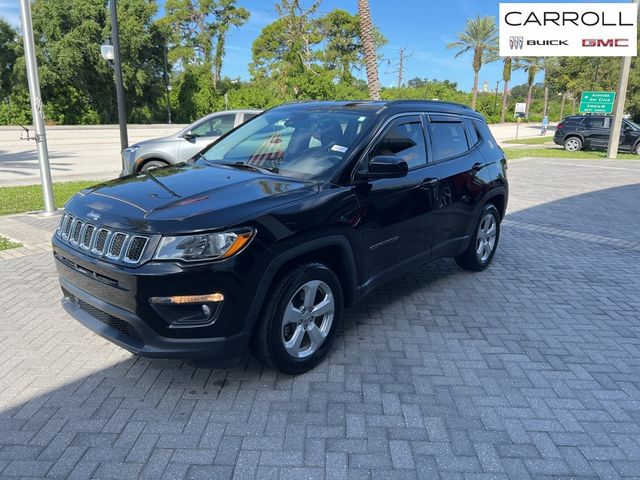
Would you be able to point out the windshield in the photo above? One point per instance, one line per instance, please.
(308, 144)
(634, 124)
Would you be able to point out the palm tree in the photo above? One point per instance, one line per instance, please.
(510, 64)
(531, 65)
(369, 47)
(480, 36)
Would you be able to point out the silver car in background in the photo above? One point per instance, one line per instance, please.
(159, 152)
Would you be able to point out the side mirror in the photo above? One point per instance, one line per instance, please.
(189, 135)
(386, 166)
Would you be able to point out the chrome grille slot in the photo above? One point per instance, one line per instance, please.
(75, 231)
(101, 241)
(60, 228)
(67, 226)
(87, 236)
(117, 242)
(135, 250)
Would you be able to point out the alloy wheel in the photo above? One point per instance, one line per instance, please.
(486, 237)
(572, 145)
(307, 319)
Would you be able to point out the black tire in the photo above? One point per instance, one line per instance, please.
(150, 165)
(471, 259)
(637, 149)
(269, 336)
(573, 144)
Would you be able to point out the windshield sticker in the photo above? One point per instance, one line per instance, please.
(362, 119)
(339, 148)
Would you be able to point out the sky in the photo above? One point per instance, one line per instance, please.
(422, 27)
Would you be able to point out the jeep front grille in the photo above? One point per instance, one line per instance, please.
(101, 241)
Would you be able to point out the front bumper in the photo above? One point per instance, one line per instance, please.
(130, 332)
(113, 301)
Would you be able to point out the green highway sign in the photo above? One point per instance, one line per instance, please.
(597, 102)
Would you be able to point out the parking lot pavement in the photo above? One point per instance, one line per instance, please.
(92, 152)
(529, 369)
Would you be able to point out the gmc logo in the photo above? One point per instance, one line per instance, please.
(601, 42)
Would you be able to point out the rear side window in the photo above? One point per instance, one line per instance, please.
(472, 132)
(485, 134)
(448, 139)
(248, 116)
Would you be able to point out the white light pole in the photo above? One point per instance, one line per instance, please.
(618, 109)
(36, 106)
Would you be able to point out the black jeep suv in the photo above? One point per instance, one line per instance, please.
(265, 236)
(593, 132)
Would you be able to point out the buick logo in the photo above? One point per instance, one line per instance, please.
(515, 43)
(95, 216)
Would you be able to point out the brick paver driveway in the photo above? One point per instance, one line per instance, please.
(528, 369)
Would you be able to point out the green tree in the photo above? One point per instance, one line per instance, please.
(228, 14)
(343, 43)
(77, 84)
(285, 52)
(8, 55)
(480, 36)
(199, 30)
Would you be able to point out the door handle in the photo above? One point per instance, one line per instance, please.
(477, 166)
(428, 183)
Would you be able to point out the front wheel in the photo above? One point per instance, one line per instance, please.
(637, 149)
(484, 242)
(300, 321)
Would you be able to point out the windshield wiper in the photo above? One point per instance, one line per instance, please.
(246, 166)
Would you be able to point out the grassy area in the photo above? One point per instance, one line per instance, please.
(559, 152)
(6, 244)
(531, 141)
(29, 198)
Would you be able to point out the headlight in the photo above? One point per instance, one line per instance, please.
(205, 246)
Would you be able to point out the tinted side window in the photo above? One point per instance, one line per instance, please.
(448, 139)
(405, 140)
(248, 116)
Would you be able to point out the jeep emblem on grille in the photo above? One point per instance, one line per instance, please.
(93, 216)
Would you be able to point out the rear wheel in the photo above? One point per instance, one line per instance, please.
(573, 144)
(150, 165)
(484, 242)
(300, 321)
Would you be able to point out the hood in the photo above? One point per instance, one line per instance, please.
(154, 141)
(186, 198)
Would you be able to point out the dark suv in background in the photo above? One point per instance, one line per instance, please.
(593, 132)
(264, 237)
